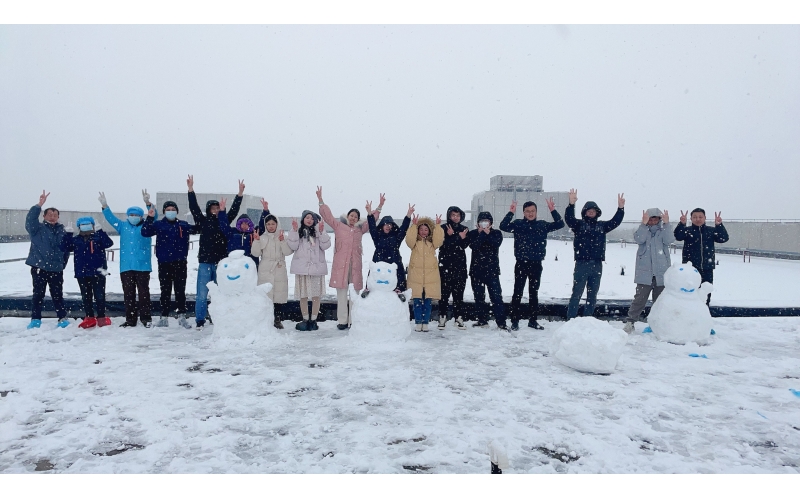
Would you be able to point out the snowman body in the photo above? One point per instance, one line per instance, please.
(680, 314)
(240, 308)
(588, 345)
(381, 315)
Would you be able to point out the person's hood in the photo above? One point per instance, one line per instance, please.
(343, 220)
(454, 209)
(485, 216)
(426, 221)
(587, 206)
(654, 212)
(387, 219)
(241, 220)
(315, 215)
(209, 204)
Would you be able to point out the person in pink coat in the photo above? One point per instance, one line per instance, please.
(347, 256)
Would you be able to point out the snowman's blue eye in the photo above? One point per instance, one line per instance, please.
(247, 266)
(389, 271)
(696, 271)
(226, 265)
(681, 269)
(379, 269)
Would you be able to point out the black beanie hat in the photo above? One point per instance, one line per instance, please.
(169, 204)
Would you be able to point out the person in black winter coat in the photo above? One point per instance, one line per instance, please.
(530, 245)
(453, 266)
(172, 249)
(213, 245)
(590, 250)
(388, 238)
(89, 257)
(698, 242)
(484, 271)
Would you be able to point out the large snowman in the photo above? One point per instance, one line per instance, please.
(588, 345)
(381, 315)
(680, 314)
(239, 307)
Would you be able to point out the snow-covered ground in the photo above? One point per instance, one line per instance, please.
(759, 283)
(170, 400)
(178, 401)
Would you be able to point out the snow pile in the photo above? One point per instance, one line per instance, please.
(680, 314)
(380, 316)
(588, 345)
(241, 310)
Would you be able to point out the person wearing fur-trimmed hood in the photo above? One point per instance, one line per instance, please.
(484, 271)
(271, 246)
(347, 256)
(308, 240)
(453, 266)
(423, 238)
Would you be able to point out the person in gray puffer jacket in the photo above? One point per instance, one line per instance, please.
(652, 260)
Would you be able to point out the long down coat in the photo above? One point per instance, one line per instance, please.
(423, 266)
(347, 252)
(272, 268)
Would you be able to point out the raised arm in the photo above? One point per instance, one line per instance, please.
(32, 224)
(506, 224)
(438, 236)
(148, 228)
(615, 221)
(105, 240)
(720, 234)
(404, 227)
(569, 217)
(411, 235)
(327, 216)
(223, 223)
(237, 201)
(199, 216)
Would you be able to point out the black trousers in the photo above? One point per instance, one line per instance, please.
(495, 295)
(453, 283)
(172, 275)
(530, 271)
(93, 287)
(41, 280)
(278, 312)
(131, 282)
(707, 275)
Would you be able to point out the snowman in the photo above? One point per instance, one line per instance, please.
(381, 315)
(680, 314)
(588, 345)
(240, 308)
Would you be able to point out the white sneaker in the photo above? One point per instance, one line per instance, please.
(442, 322)
(628, 328)
(184, 322)
(460, 323)
(418, 327)
(163, 322)
(424, 327)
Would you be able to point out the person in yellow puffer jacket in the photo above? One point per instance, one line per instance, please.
(424, 237)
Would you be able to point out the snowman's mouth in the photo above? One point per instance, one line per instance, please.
(687, 291)
(234, 278)
(382, 282)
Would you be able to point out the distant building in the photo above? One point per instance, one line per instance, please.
(503, 189)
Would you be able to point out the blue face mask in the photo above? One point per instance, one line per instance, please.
(134, 219)
(169, 214)
(85, 228)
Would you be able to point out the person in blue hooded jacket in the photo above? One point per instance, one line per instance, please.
(89, 258)
(47, 261)
(135, 262)
(172, 249)
(388, 238)
(241, 237)
(590, 250)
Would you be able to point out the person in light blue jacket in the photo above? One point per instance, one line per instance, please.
(134, 261)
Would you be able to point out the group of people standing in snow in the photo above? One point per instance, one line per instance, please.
(431, 277)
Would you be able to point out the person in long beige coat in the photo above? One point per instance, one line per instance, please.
(424, 237)
(273, 250)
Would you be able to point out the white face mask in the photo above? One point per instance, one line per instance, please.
(484, 224)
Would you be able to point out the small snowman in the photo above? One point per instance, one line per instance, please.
(380, 315)
(239, 307)
(680, 314)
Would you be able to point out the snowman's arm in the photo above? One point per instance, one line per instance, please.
(213, 288)
(706, 287)
(265, 288)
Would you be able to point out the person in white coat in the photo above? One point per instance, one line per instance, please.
(653, 236)
(273, 248)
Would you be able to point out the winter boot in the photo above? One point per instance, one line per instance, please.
(302, 325)
(535, 325)
(515, 325)
(628, 328)
(104, 321)
(442, 322)
(88, 322)
(424, 327)
(342, 327)
(163, 322)
(460, 323)
(312, 325)
(480, 324)
(200, 324)
(35, 323)
(63, 323)
(128, 324)
(278, 324)
(418, 327)
(147, 323)
(504, 327)
(184, 322)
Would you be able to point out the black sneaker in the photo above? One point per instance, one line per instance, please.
(504, 327)
(535, 325)
(480, 324)
(278, 324)
(128, 324)
(302, 326)
(515, 325)
(342, 327)
(312, 325)
(364, 294)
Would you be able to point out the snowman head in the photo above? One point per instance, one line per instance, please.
(682, 279)
(382, 276)
(236, 273)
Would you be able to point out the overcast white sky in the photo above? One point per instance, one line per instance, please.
(674, 116)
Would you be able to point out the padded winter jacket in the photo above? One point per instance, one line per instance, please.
(590, 233)
(652, 257)
(387, 246)
(45, 252)
(485, 260)
(272, 268)
(89, 252)
(530, 236)
(423, 266)
(237, 240)
(172, 238)
(134, 249)
(348, 252)
(452, 255)
(213, 243)
(309, 257)
(698, 244)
